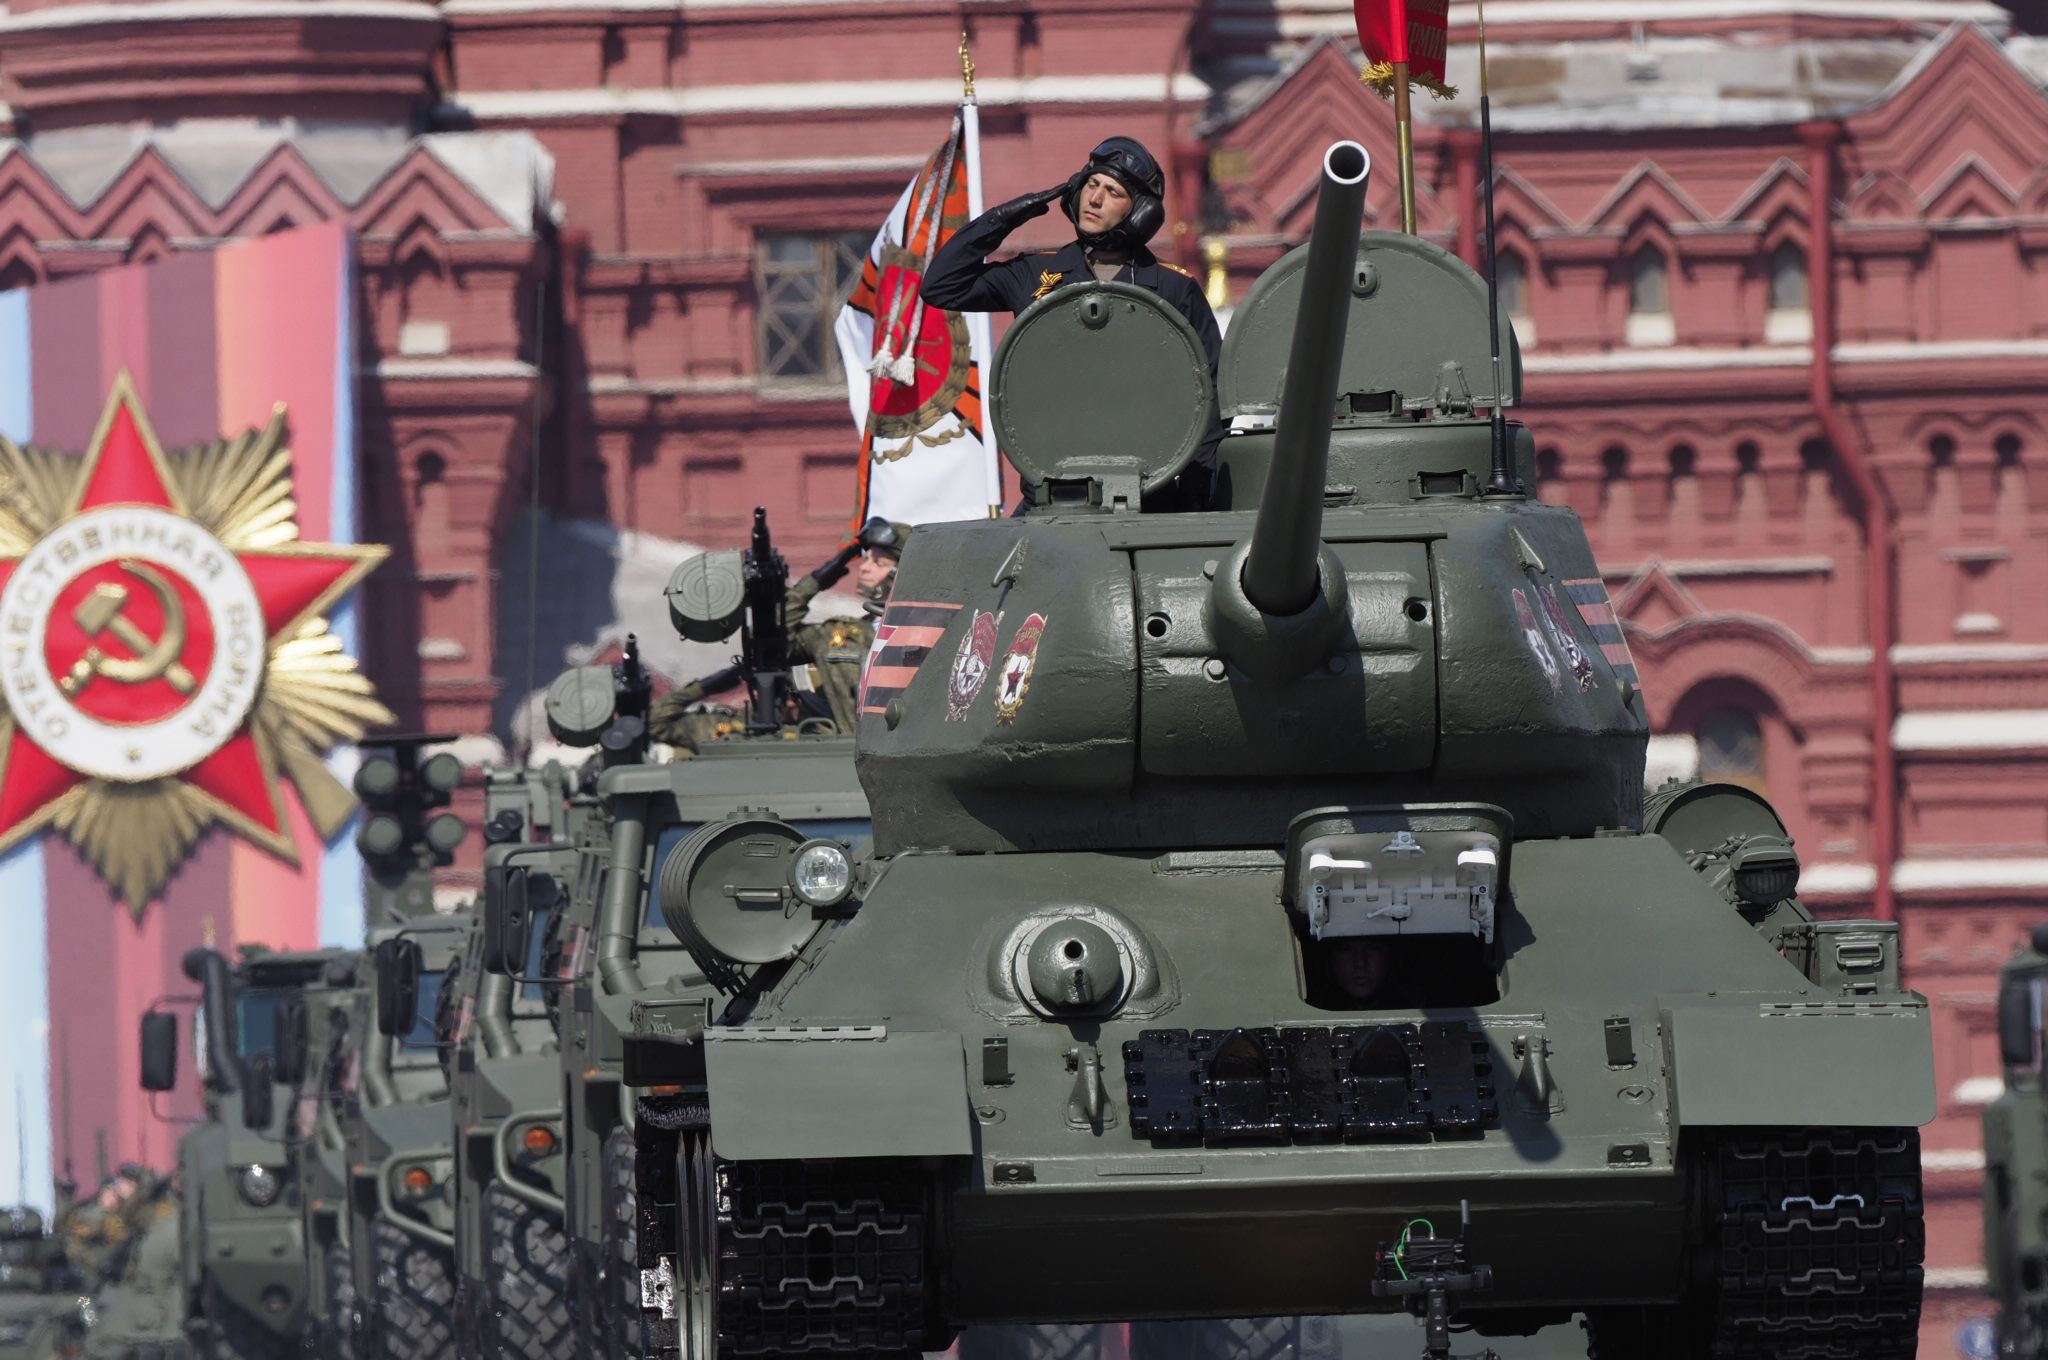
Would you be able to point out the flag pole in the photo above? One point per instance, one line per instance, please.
(977, 322)
(1500, 479)
(1404, 130)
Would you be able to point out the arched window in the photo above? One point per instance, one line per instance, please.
(1649, 299)
(1514, 284)
(1789, 320)
(1788, 278)
(1649, 283)
(1513, 274)
(1732, 748)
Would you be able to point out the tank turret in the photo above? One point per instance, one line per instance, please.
(1264, 894)
(1353, 606)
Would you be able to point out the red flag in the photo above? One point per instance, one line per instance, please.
(1414, 31)
(913, 371)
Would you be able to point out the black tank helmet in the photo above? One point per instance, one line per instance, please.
(1132, 165)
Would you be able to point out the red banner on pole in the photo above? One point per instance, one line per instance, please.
(1413, 31)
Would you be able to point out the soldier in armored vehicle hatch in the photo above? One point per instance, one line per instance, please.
(834, 648)
(1116, 202)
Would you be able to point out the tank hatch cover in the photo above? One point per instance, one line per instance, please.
(1101, 381)
(1414, 305)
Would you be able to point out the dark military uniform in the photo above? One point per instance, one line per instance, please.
(960, 280)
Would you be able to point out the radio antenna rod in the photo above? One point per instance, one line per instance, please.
(1500, 479)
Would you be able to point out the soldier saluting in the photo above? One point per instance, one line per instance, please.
(1116, 203)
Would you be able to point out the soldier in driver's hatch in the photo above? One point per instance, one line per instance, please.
(1116, 202)
(835, 648)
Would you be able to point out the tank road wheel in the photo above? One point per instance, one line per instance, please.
(522, 1311)
(1813, 1251)
(232, 1334)
(821, 1258)
(618, 1308)
(696, 1292)
(1267, 1338)
(1034, 1341)
(413, 1316)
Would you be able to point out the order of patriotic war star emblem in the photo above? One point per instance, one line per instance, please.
(165, 660)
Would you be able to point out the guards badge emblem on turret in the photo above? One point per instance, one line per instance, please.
(164, 651)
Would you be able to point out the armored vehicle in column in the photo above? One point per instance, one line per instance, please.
(1262, 918)
(38, 1288)
(397, 1131)
(241, 1248)
(505, 1094)
(594, 922)
(2016, 1159)
(317, 1035)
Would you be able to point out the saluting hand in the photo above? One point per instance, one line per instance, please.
(1027, 206)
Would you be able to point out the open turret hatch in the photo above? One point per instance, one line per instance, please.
(1414, 307)
(1102, 393)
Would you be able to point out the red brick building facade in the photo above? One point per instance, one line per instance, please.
(1780, 269)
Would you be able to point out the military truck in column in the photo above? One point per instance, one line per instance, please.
(241, 1247)
(392, 1106)
(1262, 918)
(323, 1060)
(593, 922)
(2016, 1159)
(505, 1096)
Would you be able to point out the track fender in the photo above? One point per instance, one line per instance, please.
(1749, 1059)
(837, 1091)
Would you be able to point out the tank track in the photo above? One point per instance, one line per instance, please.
(824, 1258)
(1822, 1241)
(1813, 1247)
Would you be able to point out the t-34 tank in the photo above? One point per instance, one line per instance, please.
(1262, 917)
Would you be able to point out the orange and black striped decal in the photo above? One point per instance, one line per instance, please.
(1589, 597)
(908, 631)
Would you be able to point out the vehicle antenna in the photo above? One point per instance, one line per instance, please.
(1500, 480)
(64, 1110)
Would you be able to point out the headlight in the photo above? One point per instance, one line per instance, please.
(821, 873)
(259, 1185)
(417, 1182)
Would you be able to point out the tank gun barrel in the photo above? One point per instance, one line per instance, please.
(1280, 569)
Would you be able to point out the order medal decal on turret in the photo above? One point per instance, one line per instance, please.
(1533, 633)
(972, 663)
(1561, 634)
(1015, 682)
(168, 660)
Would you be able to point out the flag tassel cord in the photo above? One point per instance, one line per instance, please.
(977, 322)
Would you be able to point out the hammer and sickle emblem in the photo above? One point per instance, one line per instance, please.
(101, 613)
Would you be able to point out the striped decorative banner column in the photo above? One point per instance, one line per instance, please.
(213, 342)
